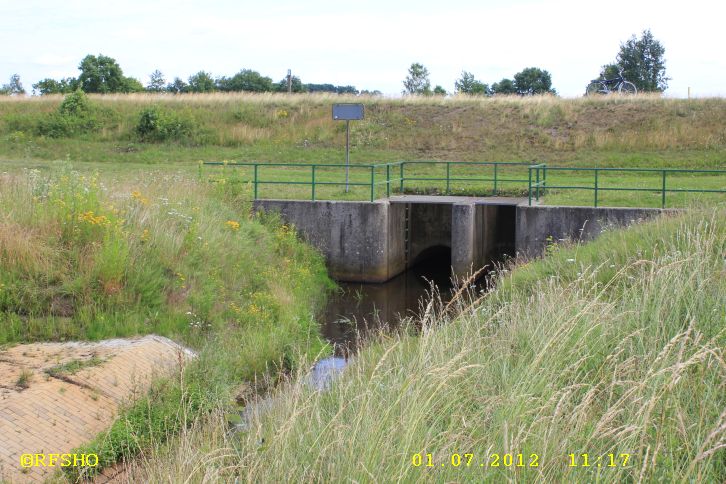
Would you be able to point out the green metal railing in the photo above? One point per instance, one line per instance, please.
(314, 181)
(538, 181)
(392, 177)
(495, 178)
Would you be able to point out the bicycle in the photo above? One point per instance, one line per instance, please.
(608, 86)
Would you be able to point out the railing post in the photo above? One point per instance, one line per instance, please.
(373, 186)
(529, 187)
(388, 180)
(596, 187)
(255, 176)
(544, 178)
(313, 184)
(402, 176)
(448, 177)
(537, 185)
(663, 191)
(494, 193)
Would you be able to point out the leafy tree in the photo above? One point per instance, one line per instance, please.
(643, 63)
(177, 86)
(296, 85)
(439, 91)
(156, 81)
(51, 86)
(102, 74)
(467, 84)
(533, 80)
(374, 93)
(14, 87)
(245, 80)
(132, 85)
(505, 86)
(417, 81)
(202, 82)
(609, 71)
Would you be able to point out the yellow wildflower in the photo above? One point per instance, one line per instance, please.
(91, 218)
(232, 224)
(136, 195)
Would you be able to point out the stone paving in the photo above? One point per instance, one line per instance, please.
(44, 414)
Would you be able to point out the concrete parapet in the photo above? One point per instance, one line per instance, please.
(538, 223)
(376, 241)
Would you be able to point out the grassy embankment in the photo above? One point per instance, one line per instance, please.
(613, 347)
(607, 132)
(86, 257)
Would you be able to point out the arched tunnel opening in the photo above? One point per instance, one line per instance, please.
(433, 264)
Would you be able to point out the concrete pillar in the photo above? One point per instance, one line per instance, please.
(463, 240)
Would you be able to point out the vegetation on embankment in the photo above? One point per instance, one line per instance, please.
(88, 256)
(613, 347)
(611, 131)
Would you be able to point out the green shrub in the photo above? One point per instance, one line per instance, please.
(158, 125)
(75, 115)
(75, 104)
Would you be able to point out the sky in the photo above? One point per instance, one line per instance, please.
(368, 44)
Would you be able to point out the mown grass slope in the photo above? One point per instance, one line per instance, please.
(645, 130)
(614, 347)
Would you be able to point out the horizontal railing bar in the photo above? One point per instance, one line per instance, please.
(513, 180)
(633, 189)
(649, 170)
(295, 165)
(260, 182)
(485, 163)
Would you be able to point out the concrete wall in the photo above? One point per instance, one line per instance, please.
(535, 224)
(353, 236)
(366, 241)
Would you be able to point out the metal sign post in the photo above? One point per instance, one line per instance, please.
(347, 112)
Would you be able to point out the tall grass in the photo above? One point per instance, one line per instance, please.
(92, 256)
(615, 347)
(277, 127)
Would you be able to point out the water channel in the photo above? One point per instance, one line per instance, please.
(357, 309)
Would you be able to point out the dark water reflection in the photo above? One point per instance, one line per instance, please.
(359, 308)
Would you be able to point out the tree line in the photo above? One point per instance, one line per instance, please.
(531, 80)
(102, 74)
(641, 61)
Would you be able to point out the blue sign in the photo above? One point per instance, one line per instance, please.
(347, 112)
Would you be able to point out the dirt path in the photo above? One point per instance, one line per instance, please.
(56, 396)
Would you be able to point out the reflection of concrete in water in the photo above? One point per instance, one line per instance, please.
(359, 308)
